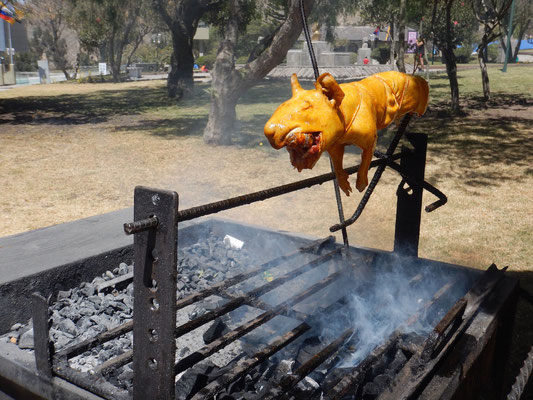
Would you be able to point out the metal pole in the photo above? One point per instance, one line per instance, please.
(10, 45)
(510, 31)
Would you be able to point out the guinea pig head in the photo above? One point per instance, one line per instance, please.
(309, 122)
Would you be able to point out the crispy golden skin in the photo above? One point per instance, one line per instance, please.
(332, 116)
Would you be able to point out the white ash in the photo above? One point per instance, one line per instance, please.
(83, 312)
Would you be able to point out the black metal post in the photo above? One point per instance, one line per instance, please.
(41, 336)
(154, 281)
(409, 205)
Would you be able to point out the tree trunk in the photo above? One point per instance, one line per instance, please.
(180, 81)
(401, 37)
(451, 70)
(229, 84)
(482, 49)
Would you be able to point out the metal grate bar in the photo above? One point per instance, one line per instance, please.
(238, 301)
(219, 287)
(114, 363)
(82, 347)
(223, 341)
(354, 378)
(212, 208)
(290, 381)
(413, 375)
(79, 348)
(211, 389)
(93, 383)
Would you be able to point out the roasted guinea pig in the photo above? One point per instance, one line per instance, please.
(334, 115)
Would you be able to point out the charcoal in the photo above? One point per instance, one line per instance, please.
(16, 327)
(399, 361)
(26, 340)
(88, 290)
(284, 368)
(109, 275)
(64, 294)
(122, 269)
(310, 346)
(193, 380)
(67, 325)
(217, 329)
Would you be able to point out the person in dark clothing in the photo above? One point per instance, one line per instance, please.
(419, 54)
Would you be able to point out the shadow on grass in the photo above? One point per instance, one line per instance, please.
(169, 127)
(477, 139)
(89, 108)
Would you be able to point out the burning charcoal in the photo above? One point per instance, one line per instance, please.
(26, 339)
(217, 329)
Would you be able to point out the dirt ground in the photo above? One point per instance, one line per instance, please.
(83, 153)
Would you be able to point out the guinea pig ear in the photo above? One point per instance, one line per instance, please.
(295, 85)
(329, 86)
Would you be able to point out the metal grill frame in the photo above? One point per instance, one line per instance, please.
(155, 248)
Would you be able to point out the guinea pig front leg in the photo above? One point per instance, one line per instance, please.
(336, 153)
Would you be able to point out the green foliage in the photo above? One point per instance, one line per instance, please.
(208, 60)
(493, 52)
(25, 61)
(463, 54)
(353, 58)
(381, 53)
(462, 27)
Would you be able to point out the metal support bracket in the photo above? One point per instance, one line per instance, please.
(44, 348)
(409, 205)
(154, 282)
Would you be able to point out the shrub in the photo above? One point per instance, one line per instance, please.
(464, 54)
(24, 61)
(382, 54)
(492, 52)
(353, 58)
(208, 60)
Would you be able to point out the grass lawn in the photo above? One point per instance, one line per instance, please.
(71, 151)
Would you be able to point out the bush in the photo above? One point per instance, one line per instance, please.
(463, 54)
(492, 52)
(353, 58)
(208, 60)
(382, 54)
(25, 62)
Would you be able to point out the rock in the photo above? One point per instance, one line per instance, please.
(66, 325)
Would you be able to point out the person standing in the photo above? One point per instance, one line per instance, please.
(419, 54)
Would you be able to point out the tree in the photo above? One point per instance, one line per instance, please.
(401, 36)
(521, 23)
(50, 20)
(230, 83)
(490, 15)
(452, 23)
(107, 25)
(182, 18)
(382, 13)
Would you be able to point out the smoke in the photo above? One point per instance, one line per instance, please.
(385, 301)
